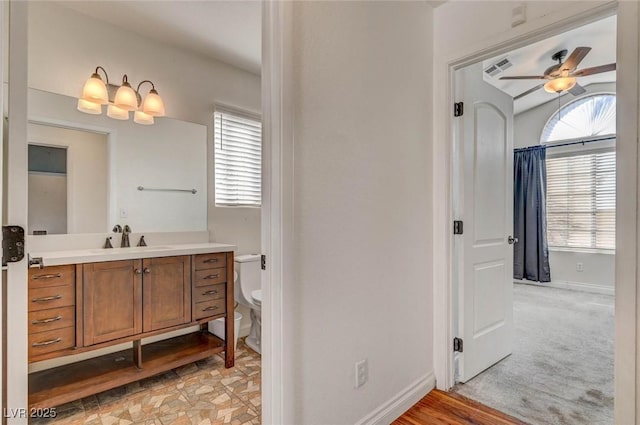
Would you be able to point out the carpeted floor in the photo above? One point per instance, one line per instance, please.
(561, 369)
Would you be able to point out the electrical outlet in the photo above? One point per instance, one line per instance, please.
(123, 213)
(580, 267)
(362, 373)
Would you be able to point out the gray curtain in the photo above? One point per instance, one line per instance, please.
(531, 252)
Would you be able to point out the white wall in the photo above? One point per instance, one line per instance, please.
(86, 194)
(65, 47)
(599, 268)
(362, 79)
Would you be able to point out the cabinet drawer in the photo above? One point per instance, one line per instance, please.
(210, 261)
(210, 277)
(207, 293)
(51, 297)
(50, 319)
(49, 341)
(209, 308)
(52, 276)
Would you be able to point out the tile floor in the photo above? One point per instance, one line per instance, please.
(199, 393)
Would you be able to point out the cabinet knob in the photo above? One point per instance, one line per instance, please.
(147, 270)
(138, 271)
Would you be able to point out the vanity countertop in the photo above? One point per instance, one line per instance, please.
(79, 256)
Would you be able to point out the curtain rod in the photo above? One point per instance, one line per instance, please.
(582, 142)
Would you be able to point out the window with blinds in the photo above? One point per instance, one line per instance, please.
(581, 200)
(238, 159)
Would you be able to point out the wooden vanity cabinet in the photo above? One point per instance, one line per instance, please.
(83, 307)
(166, 292)
(51, 317)
(112, 300)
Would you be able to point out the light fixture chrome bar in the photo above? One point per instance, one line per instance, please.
(159, 189)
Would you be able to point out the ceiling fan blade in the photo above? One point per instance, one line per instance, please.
(575, 58)
(525, 77)
(523, 94)
(595, 70)
(577, 90)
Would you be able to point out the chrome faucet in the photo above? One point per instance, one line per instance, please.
(125, 236)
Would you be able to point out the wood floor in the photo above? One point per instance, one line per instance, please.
(441, 408)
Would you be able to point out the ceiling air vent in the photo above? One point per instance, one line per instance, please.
(498, 67)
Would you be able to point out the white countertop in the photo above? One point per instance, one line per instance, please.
(79, 256)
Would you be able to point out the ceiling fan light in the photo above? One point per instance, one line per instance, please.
(95, 90)
(153, 104)
(561, 84)
(89, 107)
(117, 113)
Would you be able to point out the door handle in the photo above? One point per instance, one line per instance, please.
(511, 240)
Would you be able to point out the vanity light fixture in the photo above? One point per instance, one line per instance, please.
(120, 100)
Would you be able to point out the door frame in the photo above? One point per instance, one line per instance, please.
(627, 175)
(278, 315)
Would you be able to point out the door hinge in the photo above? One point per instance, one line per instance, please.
(458, 227)
(263, 262)
(12, 244)
(457, 345)
(458, 109)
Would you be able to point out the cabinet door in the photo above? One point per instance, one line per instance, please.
(166, 292)
(112, 300)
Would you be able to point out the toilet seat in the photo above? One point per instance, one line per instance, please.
(256, 296)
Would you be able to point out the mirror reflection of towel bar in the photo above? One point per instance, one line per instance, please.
(158, 189)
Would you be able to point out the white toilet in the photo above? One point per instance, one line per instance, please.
(248, 292)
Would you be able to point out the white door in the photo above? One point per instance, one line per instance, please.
(485, 204)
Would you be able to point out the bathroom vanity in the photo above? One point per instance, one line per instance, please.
(86, 300)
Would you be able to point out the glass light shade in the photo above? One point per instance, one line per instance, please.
(117, 113)
(89, 107)
(153, 104)
(558, 85)
(95, 90)
(142, 118)
(126, 98)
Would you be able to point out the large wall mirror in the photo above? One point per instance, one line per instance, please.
(85, 172)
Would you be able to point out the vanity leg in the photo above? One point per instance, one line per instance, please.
(229, 334)
(137, 353)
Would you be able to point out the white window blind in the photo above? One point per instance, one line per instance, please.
(238, 159)
(581, 200)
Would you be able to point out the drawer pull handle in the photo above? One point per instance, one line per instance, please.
(47, 276)
(43, 343)
(212, 292)
(44, 299)
(213, 307)
(212, 276)
(211, 260)
(41, 321)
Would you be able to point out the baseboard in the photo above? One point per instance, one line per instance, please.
(401, 402)
(574, 286)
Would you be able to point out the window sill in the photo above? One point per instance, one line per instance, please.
(583, 250)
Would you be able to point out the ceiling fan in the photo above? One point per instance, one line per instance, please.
(562, 76)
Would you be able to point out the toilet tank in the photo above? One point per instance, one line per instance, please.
(247, 268)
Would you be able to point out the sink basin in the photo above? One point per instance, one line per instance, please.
(131, 249)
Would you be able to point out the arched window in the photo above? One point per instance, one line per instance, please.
(581, 178)
(586, 117)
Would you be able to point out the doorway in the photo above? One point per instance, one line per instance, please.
(522, 335)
